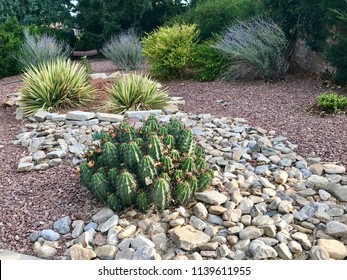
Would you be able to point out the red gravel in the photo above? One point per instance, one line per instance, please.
(33, 201)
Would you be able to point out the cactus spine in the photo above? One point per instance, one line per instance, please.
(187, 142)
(155, 147)
(100, 185)
(169, 141)
(160, 194)
(86, 176)
(188, 165)
(142, 202)
(109, 155)
(114, 203)
(183, 193)
(126, 188)
(133, 156)
(113, 174)
(146, 170)
(167, 162)
(204, 181)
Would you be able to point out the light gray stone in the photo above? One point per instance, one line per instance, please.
(40, 115)
(106, 252)
(25, 166)
(126, 254)
(302, 238)
(56, 154)
(333, 168)
(336, 249)
(111, 222)
(63, 225)
(265, 182)
(340, 192)
(77, 149)
(77, 228)
(58, 117)
(54, 162)
(142, 114)
(140, 241)
(39, 155)
(44, 251)
(109, 117)
(324, 195)
(211, 197)
(285, 207)
(250, 232)
(336, 229)
(214, 219)
(79, 115)
(49, 234)
(128, 231)
(295, 247)
(319, 253)
(317, 182)
(144, 253)
(283, 251)
(246, 205)
(197, 222)
(200, 211)
(188, 238)
(280, 176)
(261, 251)
(102, 216)
(77, 252)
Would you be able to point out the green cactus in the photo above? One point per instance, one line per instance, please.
(166, 177)
(86, 175)
(193, 183)
(125, 133)
(114, 203)
(113, 174)
(175, 155)
(201, 164)
(152, 123)
(162, 131)
(126, 188)
(155, 147)
(167, 164)
(169, 141)
(188, 165)
(133, 156)
(109, 157)
(204, 181)
(178, 175)
(161, 194)
(100, 185)
(183, 193)
(146, 170)
(142, 202)
(199, 152)
(175, 127)
(187, 143)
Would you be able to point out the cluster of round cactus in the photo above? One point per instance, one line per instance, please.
(156, 165)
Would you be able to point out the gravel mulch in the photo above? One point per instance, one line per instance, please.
(33, 201)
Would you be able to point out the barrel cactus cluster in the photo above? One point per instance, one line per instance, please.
(157, 165)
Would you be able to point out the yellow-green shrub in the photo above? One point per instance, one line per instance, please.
(169, 50)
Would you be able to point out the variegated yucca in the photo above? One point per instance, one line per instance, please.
(54, 85)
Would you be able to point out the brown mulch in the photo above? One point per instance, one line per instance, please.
(33, 201)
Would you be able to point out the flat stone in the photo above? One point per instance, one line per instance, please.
(111, 222)
(217, 209)
(283, 251)
(40, 115)
(106, 252)
(316, 168)
(39, 155)
(96, 76)
(333, 168)
(109, 117)
(197, 222)
(27, 159)
(265, 182)
(340, 192)
(103, 215)
(126, 254)
(336, 249)
(77, 149)
(77, 252)
(319, 253)
(63, 225)
(54, 162)
(49, 234)
(41, 166)
(211, 197)
(25, 167)
(141, 114)
(336, 229)
(200, 210)
(317, 182)
(188, 238)
(58, 117)
(80, 115)
(128, 231)
(77, 228)
(56, 154)
(250, 232)
(324, 195)
(302, 238)
(160, 240)
(144, 253)
(90, 122)
(140, 241)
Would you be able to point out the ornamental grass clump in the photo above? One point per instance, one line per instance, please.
(158, 165)
(55, 85)
(125, 50)
(331, 102)
(135, 92)
(255, 49)
(36, 50)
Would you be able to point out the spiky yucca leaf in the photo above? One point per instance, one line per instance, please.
(55, 85)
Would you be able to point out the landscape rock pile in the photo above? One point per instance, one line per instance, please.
(265, 202)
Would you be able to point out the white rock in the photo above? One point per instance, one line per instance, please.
(336, 249)
(333, 168)
(211, 197)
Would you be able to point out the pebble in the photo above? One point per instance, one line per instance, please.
(129, 230)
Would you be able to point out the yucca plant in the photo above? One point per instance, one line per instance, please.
(135, 92)
(125, 50)
(36, 50)
(55, 85)
(149, 170)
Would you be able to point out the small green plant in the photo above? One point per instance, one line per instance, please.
(124, 50)
(208, 62)
(55, 85)
(135, 92)
(332, 101)
(169, 50)
(255, 49)
(40, 49)
(85, 63)
(157, 165)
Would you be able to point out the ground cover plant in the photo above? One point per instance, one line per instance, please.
(331, 102)
(156, 165)
(55, 85)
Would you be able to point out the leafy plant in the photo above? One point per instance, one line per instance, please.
(55, 85)
(135, 92)
(208, 62)
(256, 49)
(85, 63)
(39, 49)
(11, 37)
(157, 165)
(332, 101)
(169, 50)
(124, 50)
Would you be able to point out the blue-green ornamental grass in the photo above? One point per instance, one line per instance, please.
(332, 101)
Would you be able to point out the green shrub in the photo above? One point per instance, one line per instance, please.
(85, 63)
(156, 165)
(39, 49)
(332, 101)
(213, 16)
(124, 50)
(11, 37)
(208, 62)
(55, 85)
(169, 50)
(256, 49)
(135, 92)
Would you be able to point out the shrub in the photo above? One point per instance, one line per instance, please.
(55, 85)
(169, 50)
(331, 101)
(39, 49)
(11, 37)
(135, 92)
(124, 50)
(158, 165)
(208, 62)
(256, 50)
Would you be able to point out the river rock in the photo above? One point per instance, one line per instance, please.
(188, 238)
(77, 252)
(106, 252)
(211, 197)
(336, 249)
(103, 215)
(63, 225)
(333, 168)
(336, 229)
